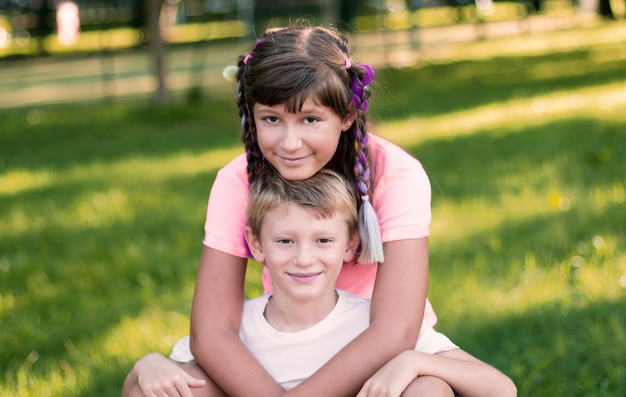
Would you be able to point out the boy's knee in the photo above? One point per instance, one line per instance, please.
(430, 386)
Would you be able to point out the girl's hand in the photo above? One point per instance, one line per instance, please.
(393, 378)
(160, 376)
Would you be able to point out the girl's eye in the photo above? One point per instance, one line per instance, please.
(271, 119)
(325, 240)
(284, 241)
(311, 120)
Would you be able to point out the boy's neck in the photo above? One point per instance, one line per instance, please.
(285, 315)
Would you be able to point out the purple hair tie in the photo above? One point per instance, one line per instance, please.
(369, 74)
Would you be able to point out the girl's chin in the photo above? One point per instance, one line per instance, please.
(295, 174)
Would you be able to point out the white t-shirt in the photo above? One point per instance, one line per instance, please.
(291, 357)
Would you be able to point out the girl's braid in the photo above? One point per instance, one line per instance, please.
(371, 242)
(253, 153)
(360, 95)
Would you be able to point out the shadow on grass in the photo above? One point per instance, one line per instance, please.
(60, 137)
(556, 350)
(571, 159)
(578, 154)
(437, 89)
(74, 283)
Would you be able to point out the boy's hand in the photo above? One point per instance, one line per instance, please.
(392, 379)
(160, 376)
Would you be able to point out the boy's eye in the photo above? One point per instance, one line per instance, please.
(311, 120)
(271, 119)
(284, 241)
(325, 240)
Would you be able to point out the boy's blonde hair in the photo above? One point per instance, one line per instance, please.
(324, 194)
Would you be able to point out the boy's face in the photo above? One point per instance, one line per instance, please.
(303, 254)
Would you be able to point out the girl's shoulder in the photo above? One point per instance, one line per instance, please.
(236, 166)
(232, 176)
(389, 157)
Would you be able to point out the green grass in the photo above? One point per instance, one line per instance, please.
(102, 210)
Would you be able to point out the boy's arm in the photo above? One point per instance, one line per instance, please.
(467, 375)
(395, 320)
(215, 320)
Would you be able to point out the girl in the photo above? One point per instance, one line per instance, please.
(303, 102)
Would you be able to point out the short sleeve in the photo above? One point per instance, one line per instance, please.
(402, 193)
(226, 210)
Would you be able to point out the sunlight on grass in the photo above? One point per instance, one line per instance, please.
(98, 207)
(599, 101)
(191, 32)
(531, 44)
(19, 181)
(123, 38)
(131, 338)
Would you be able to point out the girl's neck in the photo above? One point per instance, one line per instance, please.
(285, 315)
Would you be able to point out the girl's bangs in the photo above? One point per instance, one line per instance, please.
(293, 89)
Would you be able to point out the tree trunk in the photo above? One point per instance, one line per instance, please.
(157, 45)
(604, 9)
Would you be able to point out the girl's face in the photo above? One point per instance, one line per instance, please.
(302, 143)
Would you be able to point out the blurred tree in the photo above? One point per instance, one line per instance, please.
(605, 10)
(157, 46)
(44, 14)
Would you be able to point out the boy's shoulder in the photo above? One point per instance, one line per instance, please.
(353, 302)
(256, 304)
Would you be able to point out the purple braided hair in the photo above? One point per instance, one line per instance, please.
(371, 242)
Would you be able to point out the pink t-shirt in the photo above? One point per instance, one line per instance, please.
(401, 199)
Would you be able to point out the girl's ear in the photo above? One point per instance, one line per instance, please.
(351, 249)
(254, 245)
(349, 119)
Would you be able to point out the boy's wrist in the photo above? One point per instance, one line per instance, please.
(417, 362)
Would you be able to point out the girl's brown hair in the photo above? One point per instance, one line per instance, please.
(287, 66)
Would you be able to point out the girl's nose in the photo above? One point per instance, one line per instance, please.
(291, 139)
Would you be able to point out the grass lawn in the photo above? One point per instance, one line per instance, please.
(102, 209)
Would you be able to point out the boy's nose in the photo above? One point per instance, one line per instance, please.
(304, 257)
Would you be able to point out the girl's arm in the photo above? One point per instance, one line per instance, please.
(467, 375)
(215, 320)
(395, 320)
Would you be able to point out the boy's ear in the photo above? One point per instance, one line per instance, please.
(351, 249)
(254, 245)
(349, 119)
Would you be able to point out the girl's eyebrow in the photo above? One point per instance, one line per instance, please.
(265, 110)
(311, 109)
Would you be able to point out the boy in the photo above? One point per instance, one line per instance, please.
(304, 231)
